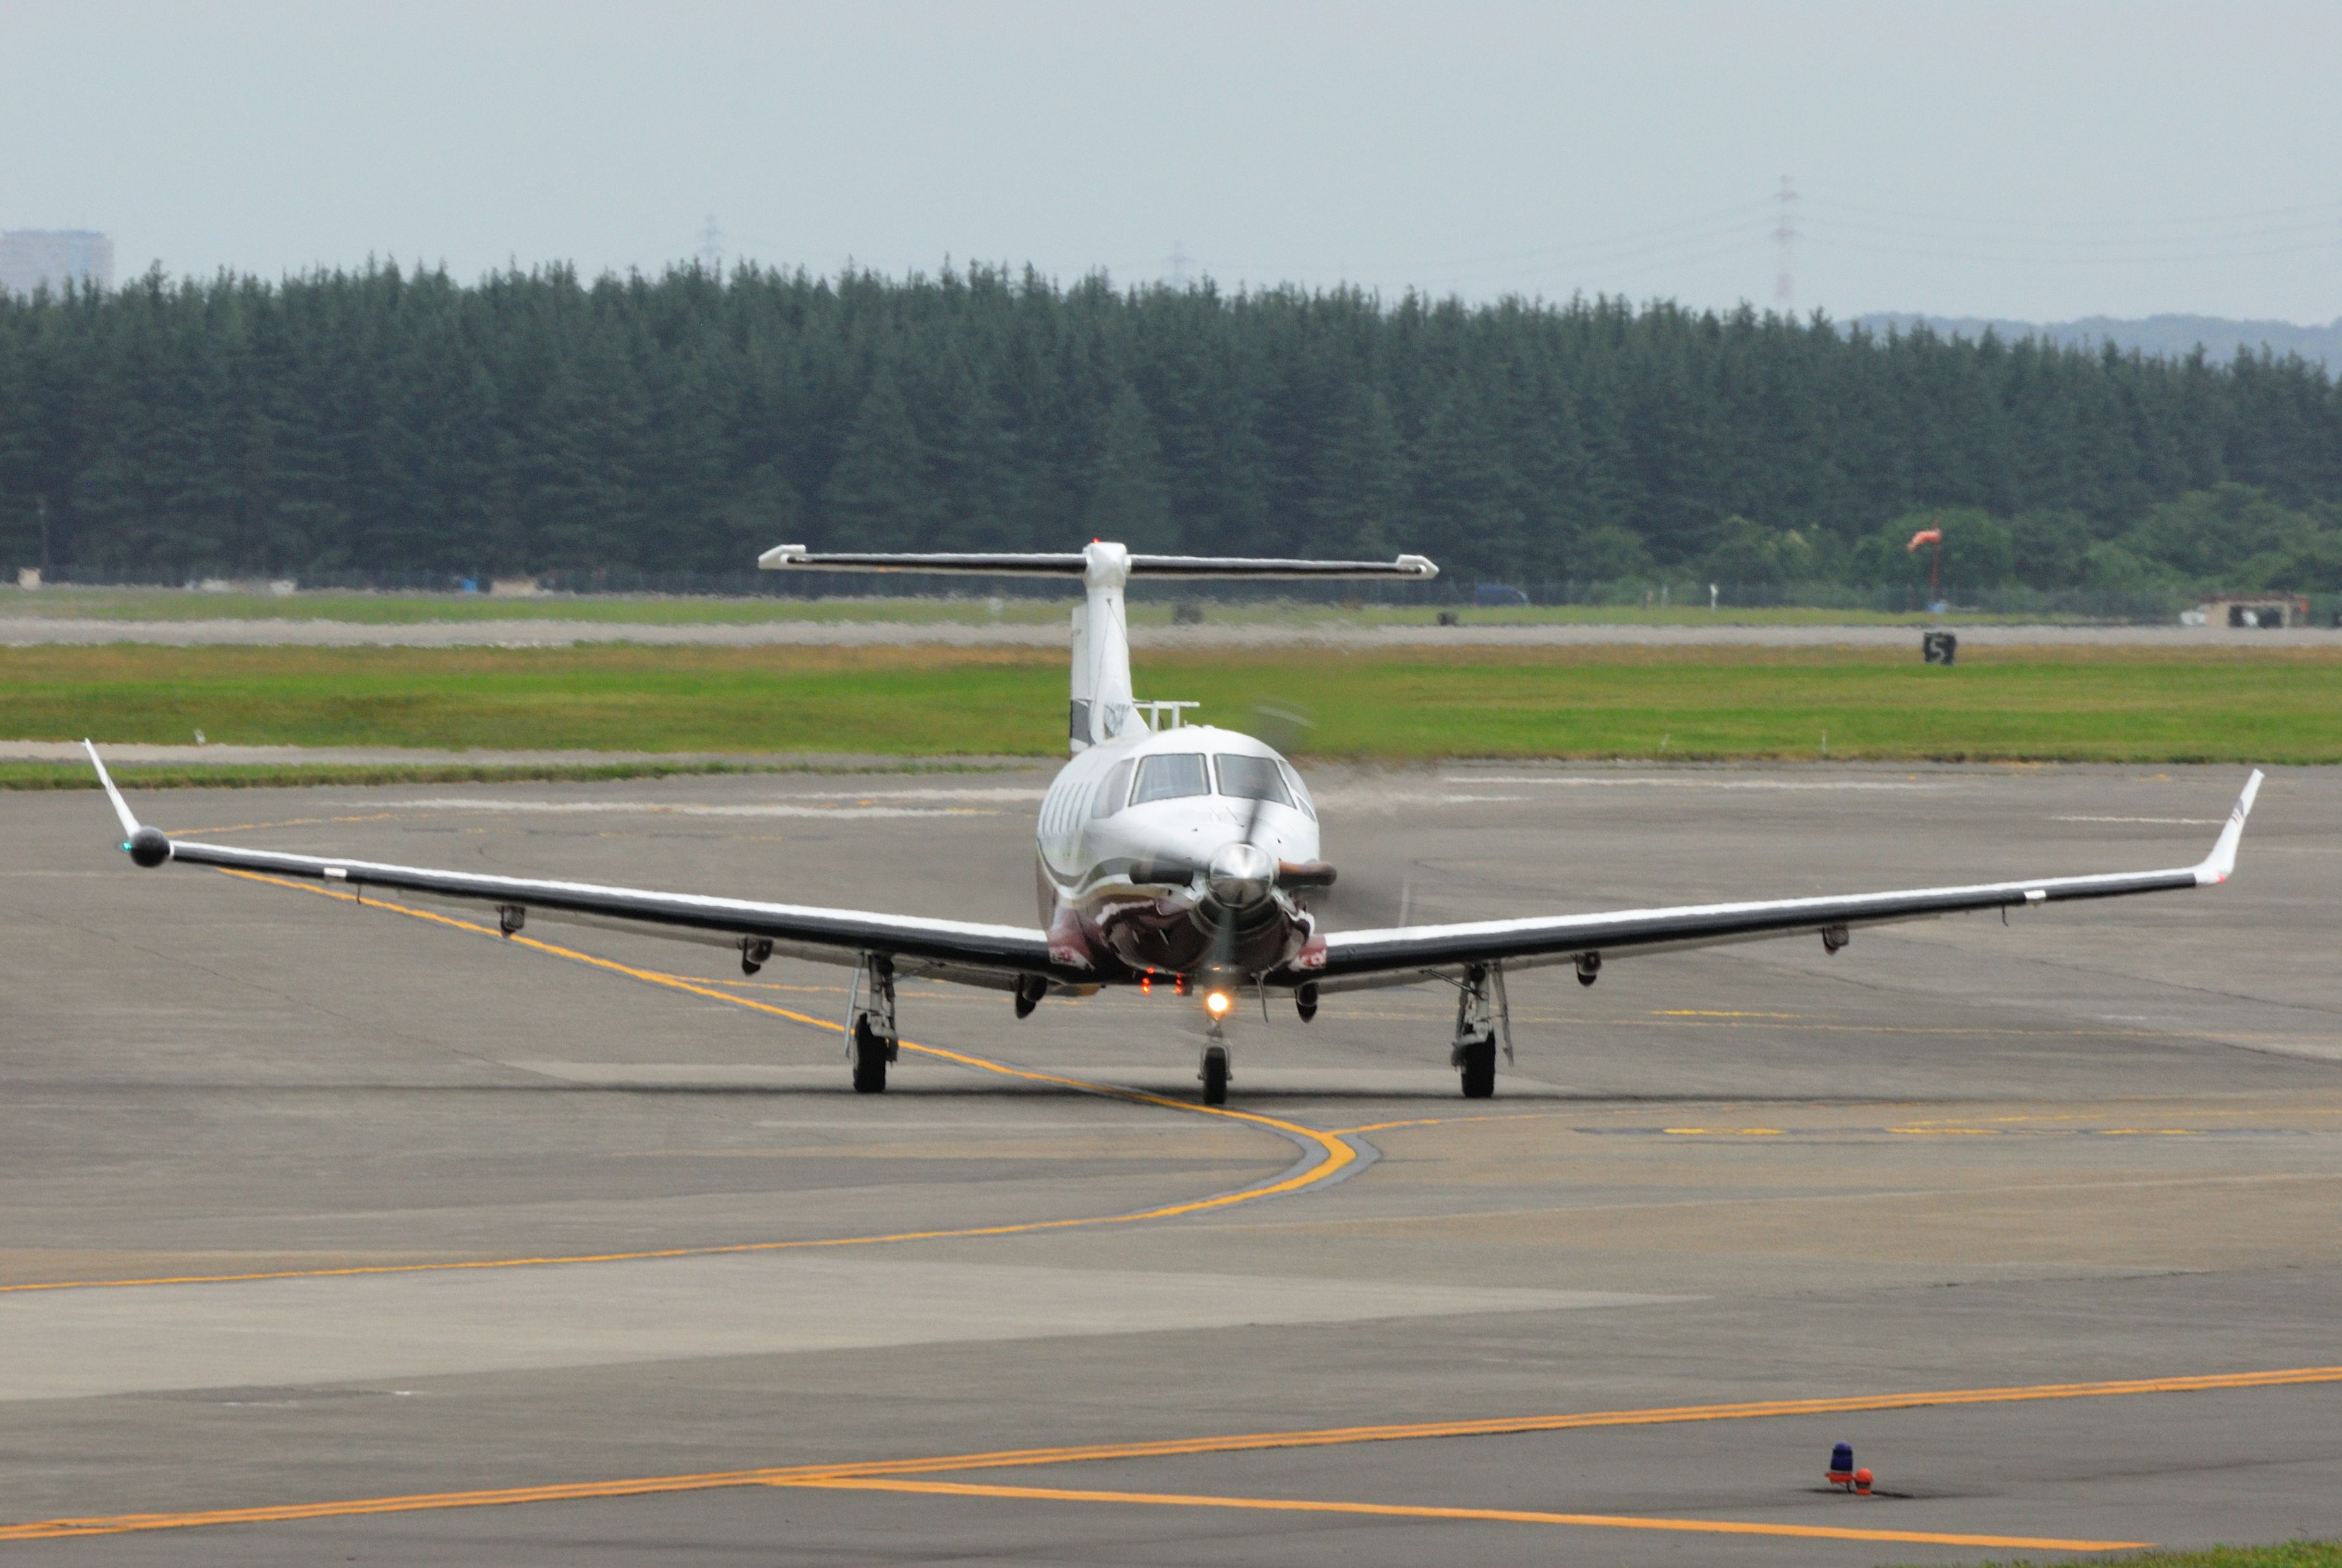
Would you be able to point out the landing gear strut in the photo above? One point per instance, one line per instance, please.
(870, 1042)
(1483, 1012)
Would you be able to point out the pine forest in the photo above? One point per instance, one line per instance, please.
(401, 423)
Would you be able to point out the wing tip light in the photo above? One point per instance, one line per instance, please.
(2221, 863)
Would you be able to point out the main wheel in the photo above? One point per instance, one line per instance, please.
(1215, 1076)
(1478, 1068)
(869, 1059)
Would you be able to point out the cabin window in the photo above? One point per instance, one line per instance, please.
(1170, 776)
(1111, 793)
(1251, 778)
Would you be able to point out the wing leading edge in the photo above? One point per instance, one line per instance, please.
(952, 949)
(1365, 958)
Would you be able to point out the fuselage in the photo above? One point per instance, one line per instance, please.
(1140, 865)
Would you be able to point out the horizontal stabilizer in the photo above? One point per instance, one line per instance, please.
(1004, 565)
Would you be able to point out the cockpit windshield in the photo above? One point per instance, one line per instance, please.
(1251, 778)
(1170, 776)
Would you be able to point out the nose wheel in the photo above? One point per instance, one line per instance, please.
(1215, 1074)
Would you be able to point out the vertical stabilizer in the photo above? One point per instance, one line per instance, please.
(1077, 727)
(1102, 649)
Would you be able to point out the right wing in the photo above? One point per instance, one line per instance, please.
(995, 956)
(1354, 960)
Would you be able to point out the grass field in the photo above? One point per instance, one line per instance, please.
(2012, 705)
(2284, 1554)
(653, 609)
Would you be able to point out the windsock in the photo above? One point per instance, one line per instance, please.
(1926, 536)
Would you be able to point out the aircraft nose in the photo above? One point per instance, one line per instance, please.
(1241, 874)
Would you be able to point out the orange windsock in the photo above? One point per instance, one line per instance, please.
(1926, 536)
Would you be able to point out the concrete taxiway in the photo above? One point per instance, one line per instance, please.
(358, 1233)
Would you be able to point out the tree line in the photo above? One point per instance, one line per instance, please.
(399, 421)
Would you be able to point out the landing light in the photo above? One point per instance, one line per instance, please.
(1217, 1004)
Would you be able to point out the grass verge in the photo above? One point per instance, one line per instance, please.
(2016, 705)
(657, 609)
(2284, 1554)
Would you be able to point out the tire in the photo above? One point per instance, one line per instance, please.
(1215, 1076)
(869, 1060)
(1478, 1069)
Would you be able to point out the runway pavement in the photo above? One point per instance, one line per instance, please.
(361, 1233)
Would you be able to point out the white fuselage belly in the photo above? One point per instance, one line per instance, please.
(1117, 871)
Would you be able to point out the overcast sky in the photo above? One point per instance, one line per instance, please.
(2032, 160)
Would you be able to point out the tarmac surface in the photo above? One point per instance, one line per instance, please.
(25, 631)
(343, 1234)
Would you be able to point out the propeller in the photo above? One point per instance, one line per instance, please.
(1240, 873)
(1239, 877)
(1367, 901)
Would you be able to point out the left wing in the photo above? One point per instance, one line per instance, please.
(1355, 959)
(992, 955)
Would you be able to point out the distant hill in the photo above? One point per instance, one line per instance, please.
(2175, 336)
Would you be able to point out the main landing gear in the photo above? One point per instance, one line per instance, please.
(1483, 1014)
(870, 1040)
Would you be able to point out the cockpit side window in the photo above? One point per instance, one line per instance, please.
(1300, 789)
(1111, 793)
(1170, 776)
(1251, 778)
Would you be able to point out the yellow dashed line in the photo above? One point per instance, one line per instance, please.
(1445, 1121)
(1718, 1013)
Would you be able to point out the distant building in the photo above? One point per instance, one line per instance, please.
(2250, 612)
(31, 257)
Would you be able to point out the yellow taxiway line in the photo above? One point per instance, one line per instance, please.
(1500, 1515)
(1338, 1154)
(872, 1473)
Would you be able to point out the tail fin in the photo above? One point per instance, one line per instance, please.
(1102, 705)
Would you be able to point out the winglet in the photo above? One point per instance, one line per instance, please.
(121, 806)
(147, 845)
(2217, 865)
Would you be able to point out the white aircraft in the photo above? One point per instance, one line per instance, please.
(1172, 854)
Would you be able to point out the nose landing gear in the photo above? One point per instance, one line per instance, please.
(1213, 1073)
